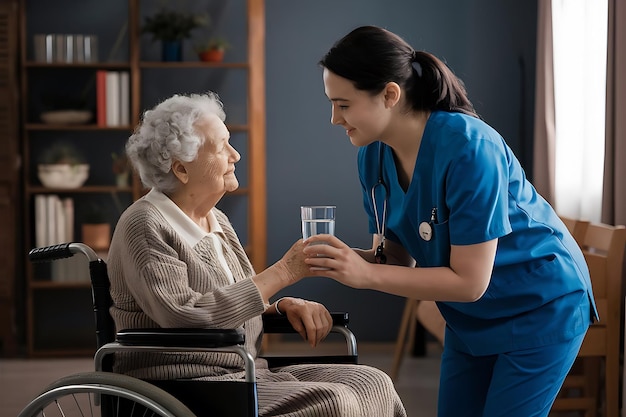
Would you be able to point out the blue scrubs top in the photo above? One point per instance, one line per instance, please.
(470, 188)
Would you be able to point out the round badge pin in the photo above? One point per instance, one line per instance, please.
(426, 232)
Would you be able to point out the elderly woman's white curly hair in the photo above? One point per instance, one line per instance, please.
(167, 133)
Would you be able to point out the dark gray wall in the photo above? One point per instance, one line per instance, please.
(309, 161)
(490, 44)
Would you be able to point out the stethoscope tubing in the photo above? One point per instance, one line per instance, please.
(381, 221)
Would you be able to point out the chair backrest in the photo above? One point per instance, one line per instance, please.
(603, 247)
(101, 297)
(100, 285)
(578, 228)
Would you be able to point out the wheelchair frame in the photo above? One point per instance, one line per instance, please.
(166, 398)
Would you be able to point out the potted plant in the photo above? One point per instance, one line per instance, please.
(172, 27)
(212, 50)
(62, 166)
(120, 168)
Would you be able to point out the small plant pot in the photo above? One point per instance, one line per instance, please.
(97, 236)
(213, 55)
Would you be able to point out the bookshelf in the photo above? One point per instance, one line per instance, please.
(59, 300)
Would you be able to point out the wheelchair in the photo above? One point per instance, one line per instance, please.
(103, 393)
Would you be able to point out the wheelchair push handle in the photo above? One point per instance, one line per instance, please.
(61, 251)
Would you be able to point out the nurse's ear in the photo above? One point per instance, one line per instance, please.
(392, 93)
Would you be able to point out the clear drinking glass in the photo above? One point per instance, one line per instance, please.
(317, 220)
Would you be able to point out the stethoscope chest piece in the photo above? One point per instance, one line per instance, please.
(425, 231)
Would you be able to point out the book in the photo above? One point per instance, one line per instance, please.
(68, 210)
(51, 224)
(112, 98)
(40, 221)
(59, 215)
(124, 98)
(101, 106)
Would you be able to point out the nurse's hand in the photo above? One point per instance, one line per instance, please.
(330, 257)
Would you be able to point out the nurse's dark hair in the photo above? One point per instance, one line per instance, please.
(371, 57)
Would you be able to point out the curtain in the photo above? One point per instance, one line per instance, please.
(544, 129)
(614, 190)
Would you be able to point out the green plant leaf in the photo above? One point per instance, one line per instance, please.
(171, 25)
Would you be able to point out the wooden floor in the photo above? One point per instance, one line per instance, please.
(23, 379)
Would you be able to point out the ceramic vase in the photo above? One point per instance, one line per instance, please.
(172, 51)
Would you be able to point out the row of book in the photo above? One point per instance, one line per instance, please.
(112, 98)
(54, 219)
(54, 224)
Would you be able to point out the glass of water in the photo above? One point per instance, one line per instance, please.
(317, 220)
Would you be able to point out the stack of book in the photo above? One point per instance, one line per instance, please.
(113, 98)
(54, 224)
(54, 219)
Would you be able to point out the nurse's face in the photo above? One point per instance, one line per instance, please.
(364, 116)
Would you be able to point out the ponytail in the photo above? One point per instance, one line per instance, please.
(435, 87)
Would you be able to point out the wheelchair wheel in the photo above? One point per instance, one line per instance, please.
(104, 394)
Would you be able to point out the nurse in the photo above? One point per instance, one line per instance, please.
(455, 220)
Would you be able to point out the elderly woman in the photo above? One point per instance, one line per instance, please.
(175, 261)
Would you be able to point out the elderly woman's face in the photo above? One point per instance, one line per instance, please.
(214, 169)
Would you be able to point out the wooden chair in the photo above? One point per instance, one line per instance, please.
(578, 228)
(427, 313)
(594, 382)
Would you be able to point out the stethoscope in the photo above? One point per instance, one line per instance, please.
(425, 228)
(381, 221)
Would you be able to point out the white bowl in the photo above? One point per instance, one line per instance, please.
(69, 117)
(63, 175)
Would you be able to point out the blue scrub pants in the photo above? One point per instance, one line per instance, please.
(514, 384)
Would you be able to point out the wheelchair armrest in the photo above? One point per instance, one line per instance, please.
(274, 323)
(178, 340)
(181, 337)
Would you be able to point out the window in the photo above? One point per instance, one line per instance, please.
(580, 45)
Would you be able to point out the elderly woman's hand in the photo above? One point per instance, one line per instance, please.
(292, 265)
(288, 270)
(310, 319)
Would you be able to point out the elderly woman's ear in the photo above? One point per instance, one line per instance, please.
(180, 171)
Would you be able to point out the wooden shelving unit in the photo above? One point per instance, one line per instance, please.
(9, 177)
(52, 305)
